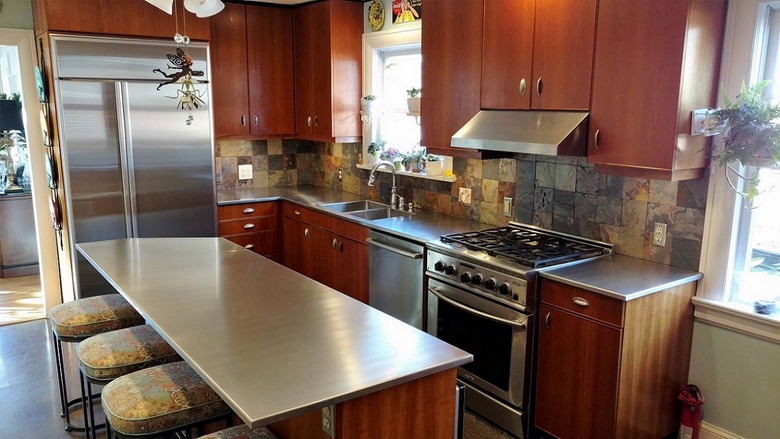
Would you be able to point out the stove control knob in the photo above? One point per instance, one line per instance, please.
(465, 277)
(490, 284)
(438, 266)
(477, 279)
(504, 289)
(450, 270)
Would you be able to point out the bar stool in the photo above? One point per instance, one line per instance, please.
(160, 400)
(105, 357)
(72, 322)
(241, 432)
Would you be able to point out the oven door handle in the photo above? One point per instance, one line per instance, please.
(435, 291)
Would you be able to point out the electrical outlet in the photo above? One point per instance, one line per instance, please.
(327, 421)
(464, 196)
(659, 234)
(507, 206)
(341, 175)
(244, 172)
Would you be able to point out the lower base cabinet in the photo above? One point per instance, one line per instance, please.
(609, 368)
(327, 249)
(251, 225)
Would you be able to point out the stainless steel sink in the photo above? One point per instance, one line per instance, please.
(377, 214)
(352, 206)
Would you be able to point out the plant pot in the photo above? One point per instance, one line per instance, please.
(368, 106)
(413, 104)
(434, 168)
(399, 165)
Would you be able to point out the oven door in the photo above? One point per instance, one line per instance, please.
(496, 335)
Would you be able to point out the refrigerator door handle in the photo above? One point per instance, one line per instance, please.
(126, 158)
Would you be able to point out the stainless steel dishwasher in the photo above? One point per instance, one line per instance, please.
(395, 280)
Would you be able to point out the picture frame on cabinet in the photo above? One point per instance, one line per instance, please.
(405, 11)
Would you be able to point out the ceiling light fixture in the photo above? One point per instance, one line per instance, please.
(201, 8)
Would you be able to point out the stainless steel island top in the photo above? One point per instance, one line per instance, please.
(273, 343)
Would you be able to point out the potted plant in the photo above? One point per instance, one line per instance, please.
(752, 134)
(368, 103)
(433, 165)
(394, 156)
(415, 160)
(413, 101)
(376, 147)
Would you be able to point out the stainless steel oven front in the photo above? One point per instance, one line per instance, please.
(500, 339)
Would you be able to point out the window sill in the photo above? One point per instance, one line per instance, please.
(446, 178)
(738, 318)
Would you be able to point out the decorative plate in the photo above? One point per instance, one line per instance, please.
(376, 15)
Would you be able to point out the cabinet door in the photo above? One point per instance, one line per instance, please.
(322, 69)
(507, 50)
(563, 54)
(577, 375)
(451, 71)
(351, 274)
(270, 67)
(303, 31)
(298, 246)
(229, 71)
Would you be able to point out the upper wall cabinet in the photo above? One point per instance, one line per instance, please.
(452, 64)
(655, 62)
(252, 71)
(537, 54)
(112, 17)
(327, 54)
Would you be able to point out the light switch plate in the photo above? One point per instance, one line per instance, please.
(464, 195)
(244, 172)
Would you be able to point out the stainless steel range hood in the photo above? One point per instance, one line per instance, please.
(530, 132)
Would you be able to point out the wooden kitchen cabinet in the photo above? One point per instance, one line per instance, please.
(111, 17)
(537, 54)
(609, 368)
(650, 71)
(252, 70)
(327, 58)
(327, 249)
(252, 225)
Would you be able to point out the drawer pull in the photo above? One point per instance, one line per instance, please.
(335, 243)
(306, 232)
(580, 301)
(249, 226)
(249, 246)
(596, 139)
(297, 212)
(522, 87)
(249, 210)
(547, 321)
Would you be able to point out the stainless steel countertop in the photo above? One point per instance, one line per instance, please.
(421, 227)
(622, 277)
(273, 343)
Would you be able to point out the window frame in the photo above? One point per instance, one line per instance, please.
(745, 36)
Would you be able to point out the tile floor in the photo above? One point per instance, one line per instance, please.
(29, 398)
(21, 299)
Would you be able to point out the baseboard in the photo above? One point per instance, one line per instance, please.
(709, 431)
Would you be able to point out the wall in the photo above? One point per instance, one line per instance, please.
(17, 14)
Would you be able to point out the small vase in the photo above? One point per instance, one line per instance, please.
(399, 165)
(369, 107)
(413, 104)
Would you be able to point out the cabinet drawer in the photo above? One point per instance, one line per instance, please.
(297, 212)
(247, 225)
(585, 303)
(235, 211)
(263, 243)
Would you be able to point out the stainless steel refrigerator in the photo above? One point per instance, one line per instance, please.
(133, 164)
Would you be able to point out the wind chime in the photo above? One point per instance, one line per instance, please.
(187, 95)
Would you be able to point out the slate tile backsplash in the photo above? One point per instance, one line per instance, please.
(562, 193)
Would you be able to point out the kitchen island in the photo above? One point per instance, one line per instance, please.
(278, 346)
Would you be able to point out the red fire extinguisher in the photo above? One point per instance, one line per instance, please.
(690, 416)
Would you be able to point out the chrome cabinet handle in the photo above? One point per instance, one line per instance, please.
(243, 120)
(596, 139)
(297, 212)
(249, 246)
(522, 87)
(334, 243)
(256, 120)
(249, 210)
(547, 320)
(316, 121)
(308, 121)
(580, 301)
(306, 232)
(249, 226)
(539, 86)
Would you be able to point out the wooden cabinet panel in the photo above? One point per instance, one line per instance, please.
(585, 303)
(262, 243)
(451, 72)
(252, 66)
(649, 73)
(111, 17)
(246, 225)
(252, 225)
(577, 375)
(297, 249)
(246, 210)
(327, 58)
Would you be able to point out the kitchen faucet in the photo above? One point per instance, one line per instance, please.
(393, 195)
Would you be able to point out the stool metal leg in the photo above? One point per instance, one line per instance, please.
(60, 373)
(84, 406)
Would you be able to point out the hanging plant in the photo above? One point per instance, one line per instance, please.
(752, 135)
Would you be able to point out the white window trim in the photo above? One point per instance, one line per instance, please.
(738, 65)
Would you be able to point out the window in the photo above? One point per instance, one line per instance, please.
(741, 246)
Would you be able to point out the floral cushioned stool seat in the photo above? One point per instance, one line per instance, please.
(159, 399)
(241, 432)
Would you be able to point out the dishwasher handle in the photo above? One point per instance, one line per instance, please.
(398, 251)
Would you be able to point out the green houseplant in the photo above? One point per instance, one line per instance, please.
(751, 126)
(413, 100)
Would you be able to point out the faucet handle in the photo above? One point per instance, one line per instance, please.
(401, 202)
